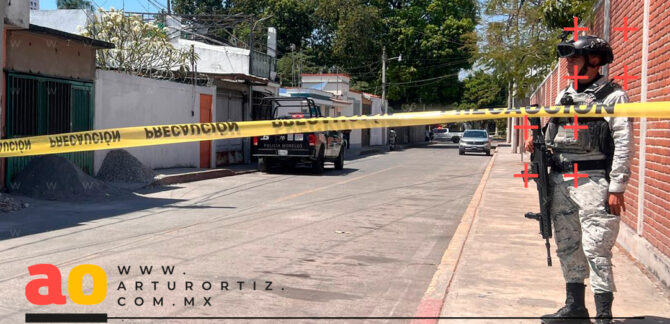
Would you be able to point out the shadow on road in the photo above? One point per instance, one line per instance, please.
(44, 216)
(307, 171)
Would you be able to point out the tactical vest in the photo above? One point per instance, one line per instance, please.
(594, 143)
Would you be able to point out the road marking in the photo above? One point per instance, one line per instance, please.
(299, 194)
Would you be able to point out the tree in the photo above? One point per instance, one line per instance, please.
(140, 48)
(434, 37)
(520, 44)
(518, 47)
(74, 4)
(482, 89)
(291, 65)
(197, 7)
(560, 13)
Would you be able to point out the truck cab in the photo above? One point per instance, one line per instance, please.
(290, 150)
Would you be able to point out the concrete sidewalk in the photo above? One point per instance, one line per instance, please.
(182, 175)
(500, 269)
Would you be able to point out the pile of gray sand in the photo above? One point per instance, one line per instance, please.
(119, 166)
(9, 204)
(54, 177)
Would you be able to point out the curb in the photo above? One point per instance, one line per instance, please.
(197, 176)
(431, 304)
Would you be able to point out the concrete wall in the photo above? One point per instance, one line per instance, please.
(50, 56)
(66, 20)
(335, 83)
(17, 13)
(217, 59)
(356, 135)
(123, 100)
(376, 133)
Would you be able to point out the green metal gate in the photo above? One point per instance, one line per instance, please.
(39, 106)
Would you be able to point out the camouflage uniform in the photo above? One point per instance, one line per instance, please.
(583, 229)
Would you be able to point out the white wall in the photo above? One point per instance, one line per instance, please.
(356, 136)
(376, 133)
(337, 84)
(217, 59)
(17, 13)
(123, 100)
(65, 20)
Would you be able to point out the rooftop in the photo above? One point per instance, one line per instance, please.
(78, 38)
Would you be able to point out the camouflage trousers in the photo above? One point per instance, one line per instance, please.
(583, 229)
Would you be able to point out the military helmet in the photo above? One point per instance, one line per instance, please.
(587, 45)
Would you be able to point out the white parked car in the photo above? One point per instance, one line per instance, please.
(475, 140)
(444, 135)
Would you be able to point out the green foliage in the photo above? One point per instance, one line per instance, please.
(436, 39)
(74, 4)
(291, 65)
(558, 14)
(140, 48)
(482, 90)
(518, 47)
(197, 7)
(293, 20)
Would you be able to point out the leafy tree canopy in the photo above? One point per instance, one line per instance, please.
(435, 38)
(482, 89)
(74, 4)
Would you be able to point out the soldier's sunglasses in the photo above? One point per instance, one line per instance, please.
(566, 50)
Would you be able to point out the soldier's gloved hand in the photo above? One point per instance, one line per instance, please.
(529, 144)
(616, 204)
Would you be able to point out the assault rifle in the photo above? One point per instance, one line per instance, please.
(539, 162)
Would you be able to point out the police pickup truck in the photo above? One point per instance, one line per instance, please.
(289, 150)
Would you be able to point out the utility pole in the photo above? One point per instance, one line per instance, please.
(168, 7)
(384, 107)
(293, 65)
(3, 10)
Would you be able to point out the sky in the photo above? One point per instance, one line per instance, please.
(128, 5)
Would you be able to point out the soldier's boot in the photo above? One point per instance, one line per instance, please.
(574, 311)
(604, 307)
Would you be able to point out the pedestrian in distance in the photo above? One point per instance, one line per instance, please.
(586, 215)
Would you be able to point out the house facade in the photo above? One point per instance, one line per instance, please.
(39, 96)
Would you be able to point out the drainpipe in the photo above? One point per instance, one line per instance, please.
(606, 31)
(3, 9)
(642, 158)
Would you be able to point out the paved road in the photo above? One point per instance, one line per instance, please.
(363, 241)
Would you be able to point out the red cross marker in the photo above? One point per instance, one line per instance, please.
(575, 29)
(525, 175)
(576, 77)
(576, 127)
(575, 175)
(625, 29)
(526, 126)
(625, 77)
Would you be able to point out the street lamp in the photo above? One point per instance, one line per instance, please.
(384, 106)
(384, 59)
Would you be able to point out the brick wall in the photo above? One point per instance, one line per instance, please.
(655, 192)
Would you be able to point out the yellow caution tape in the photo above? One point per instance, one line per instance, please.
(179, 133)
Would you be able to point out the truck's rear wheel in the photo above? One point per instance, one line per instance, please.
(263, 164)
(317, 165)
(339, 163)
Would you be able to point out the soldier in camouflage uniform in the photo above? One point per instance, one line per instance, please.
(586, 218)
